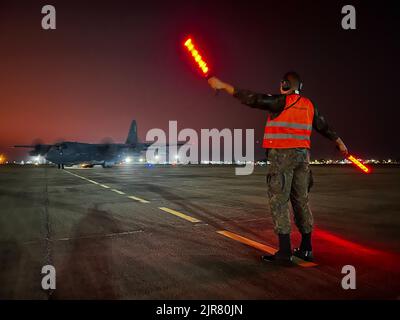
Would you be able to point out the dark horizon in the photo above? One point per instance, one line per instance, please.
(110, 62)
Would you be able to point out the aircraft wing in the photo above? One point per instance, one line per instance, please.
(146, 145)
(38, 149)
(32, 146)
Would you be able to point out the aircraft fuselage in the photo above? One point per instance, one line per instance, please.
(70, 153)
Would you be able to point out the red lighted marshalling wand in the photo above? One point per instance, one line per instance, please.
(198, 59)
(357, 163)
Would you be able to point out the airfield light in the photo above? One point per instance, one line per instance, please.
(128, 159)
(357, 163)
(141, 160)
(198, 59)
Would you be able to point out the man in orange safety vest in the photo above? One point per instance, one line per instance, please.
(290, 120)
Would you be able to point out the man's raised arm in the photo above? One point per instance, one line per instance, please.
(272, 103)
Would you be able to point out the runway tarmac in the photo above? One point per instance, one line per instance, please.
(191, 232)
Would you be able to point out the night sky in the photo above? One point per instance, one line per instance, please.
(109, 62)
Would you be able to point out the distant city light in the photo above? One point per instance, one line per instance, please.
(40, 160)
(347, 161)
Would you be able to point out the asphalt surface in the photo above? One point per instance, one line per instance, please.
(189, 232)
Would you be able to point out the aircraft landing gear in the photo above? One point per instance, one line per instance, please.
(60, 166)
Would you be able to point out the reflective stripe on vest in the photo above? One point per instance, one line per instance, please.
(288, 125)
(285, 136)
(292, 127)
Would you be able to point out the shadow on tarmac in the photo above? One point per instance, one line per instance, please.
(87, 270)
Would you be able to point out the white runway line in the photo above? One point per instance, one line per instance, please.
(89, 180)
(117, 191)
(138, 199)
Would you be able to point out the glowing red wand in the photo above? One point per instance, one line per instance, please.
(358, 164)
(198, 59)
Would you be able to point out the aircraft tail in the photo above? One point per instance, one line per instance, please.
(132, 135)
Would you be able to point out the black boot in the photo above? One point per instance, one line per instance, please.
(305, 250)
(284, 254)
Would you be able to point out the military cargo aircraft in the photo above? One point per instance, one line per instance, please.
(89, 154)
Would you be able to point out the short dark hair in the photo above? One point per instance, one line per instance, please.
(292, 75)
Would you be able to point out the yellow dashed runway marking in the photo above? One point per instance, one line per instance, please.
(179, 214)
(303, 263)
(262, 247)
(228, 234)
(251, 243)
(138, 199)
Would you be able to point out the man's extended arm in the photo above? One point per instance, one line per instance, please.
(272, 103)
(275, 104)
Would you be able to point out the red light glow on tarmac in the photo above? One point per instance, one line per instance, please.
(339, 241)
(343, 251)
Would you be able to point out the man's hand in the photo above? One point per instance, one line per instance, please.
(342, 147)
(217, 84)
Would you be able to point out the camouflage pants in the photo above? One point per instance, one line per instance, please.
(289, 178)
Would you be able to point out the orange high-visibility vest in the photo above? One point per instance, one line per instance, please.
(292, 127)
